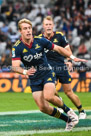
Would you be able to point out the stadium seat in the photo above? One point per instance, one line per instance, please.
(1, 24)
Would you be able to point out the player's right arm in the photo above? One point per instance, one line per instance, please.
(16, 61)
(66, 53)
(49, 45)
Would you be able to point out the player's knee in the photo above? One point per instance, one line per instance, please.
(49, 98)
(68, 92)
(42, 108)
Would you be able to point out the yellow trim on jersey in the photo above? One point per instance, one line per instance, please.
(69, 72)
(60, 33)
(37, 37)
(17, 43)
(40, 35)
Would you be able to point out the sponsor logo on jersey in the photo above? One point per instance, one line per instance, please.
(46, 50)
(30, 57)
(65, 39)
(25, 50)
(38, 56)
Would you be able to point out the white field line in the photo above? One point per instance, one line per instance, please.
(14, 133)
(7, 123)
(25, 112)
(19, 112)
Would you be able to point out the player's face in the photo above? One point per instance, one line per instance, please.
(26, 31)
(48, 26)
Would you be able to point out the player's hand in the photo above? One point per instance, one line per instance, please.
(79, 60)
(31, 71)
(69, 65)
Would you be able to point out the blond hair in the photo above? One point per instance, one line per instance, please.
(48, 18)
(24, 20)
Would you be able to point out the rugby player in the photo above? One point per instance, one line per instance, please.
(57, 62)
(30, 51)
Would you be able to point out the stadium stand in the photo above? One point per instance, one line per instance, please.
(72, 17)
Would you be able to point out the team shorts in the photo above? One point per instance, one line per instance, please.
(64, 77)
(61, 72)
(38, 85)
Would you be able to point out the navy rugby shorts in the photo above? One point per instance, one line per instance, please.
(64, 77)
(38, 85)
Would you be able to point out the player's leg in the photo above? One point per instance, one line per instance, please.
(46, 108)
(49, 92)
(65, 79)
(56, 93)
(68, 91)
(39, 85)
(49, 95)
(75, 99)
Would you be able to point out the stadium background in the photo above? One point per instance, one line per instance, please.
(72, 17)
(18, 115)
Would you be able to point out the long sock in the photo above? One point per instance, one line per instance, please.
(65, 108)
(59, 115)
(80, 108)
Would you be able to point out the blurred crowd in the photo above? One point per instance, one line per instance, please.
(72, 17)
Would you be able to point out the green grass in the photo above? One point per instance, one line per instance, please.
(24, 101)
(80, 133)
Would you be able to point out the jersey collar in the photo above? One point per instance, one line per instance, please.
(29, 46)
(50, 37)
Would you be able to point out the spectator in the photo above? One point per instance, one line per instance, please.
(79, 4)
(88, 11)
(82, 49)
(5, 28)
(82, 75)
(81, 30)
(72, 17)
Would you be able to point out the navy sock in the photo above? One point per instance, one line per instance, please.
(65, 108)
(80, 108)
(59, 115)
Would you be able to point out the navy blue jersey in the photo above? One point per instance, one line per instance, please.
(56, 60)
(59, 39)
(33, 55)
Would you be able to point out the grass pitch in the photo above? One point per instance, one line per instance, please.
(24, 101)
(36, 123)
